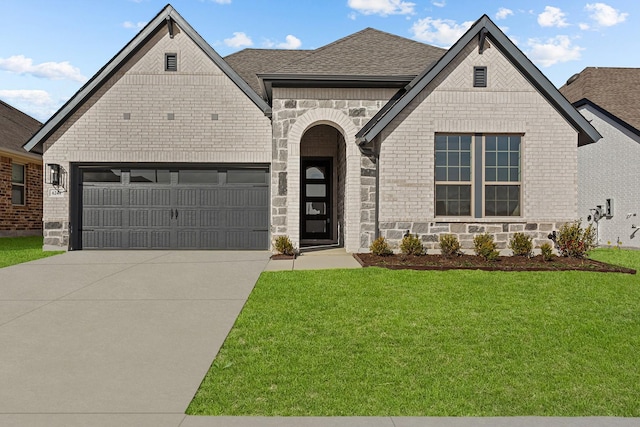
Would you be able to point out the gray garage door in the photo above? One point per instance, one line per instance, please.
(165, 208)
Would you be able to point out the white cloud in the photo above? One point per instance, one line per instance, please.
(222, 1)
(605, 15)
(503, 12)
(19, 64)
(554, 50)
(583, 26)
(443, 32)
(552, 17)
(239, 39)
(138, 26)
(441, 3)
(292, 42)
(36, 103)
(382, 7)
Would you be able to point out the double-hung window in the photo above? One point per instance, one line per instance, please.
(478, 175)
(17, 184)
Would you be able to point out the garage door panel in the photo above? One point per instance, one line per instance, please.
(103, 239)
(150, 197)
(211, 197)
(210, 218)
(161, 239)
(175, 215)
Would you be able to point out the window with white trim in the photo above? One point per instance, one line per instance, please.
(18, 184)
(478, 175)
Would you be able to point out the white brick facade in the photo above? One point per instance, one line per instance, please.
(99, 132)
(609, 169)
(450, 104)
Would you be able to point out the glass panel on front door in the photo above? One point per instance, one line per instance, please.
(315, 221)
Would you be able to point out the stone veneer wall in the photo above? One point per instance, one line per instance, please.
(429, 232)
(357, 106)
(21, 220)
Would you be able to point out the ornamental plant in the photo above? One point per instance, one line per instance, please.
(380, 247)
(574, 241)
(449, 245)
(485, 247)
(521, 245)
(284, 246)
(547, 251)
(411, 245)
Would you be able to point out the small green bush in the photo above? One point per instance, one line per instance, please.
(521, 245)
(449, 245)
(547, 251)
(484, 246)
(575, 242)
(411, 245)
(380, 247)
(283, 245)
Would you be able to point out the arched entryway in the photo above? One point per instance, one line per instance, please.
(324, 180)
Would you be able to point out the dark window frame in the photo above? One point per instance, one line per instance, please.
(480, 182)
(22, 186)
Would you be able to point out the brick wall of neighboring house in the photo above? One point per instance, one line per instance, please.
(450, 104)
(609, 169)
(128, 120)
(20, 220)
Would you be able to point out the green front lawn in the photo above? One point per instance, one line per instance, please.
(376, 342)
(16, 250)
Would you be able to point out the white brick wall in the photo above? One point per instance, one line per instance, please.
(97, 132)
(508, 105)
(610, 168)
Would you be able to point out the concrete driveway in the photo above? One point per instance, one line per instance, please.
(115, 338)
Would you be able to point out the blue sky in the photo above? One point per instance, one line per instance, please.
(51, 47)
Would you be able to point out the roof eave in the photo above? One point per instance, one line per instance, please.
(270, 80)
(586, 102)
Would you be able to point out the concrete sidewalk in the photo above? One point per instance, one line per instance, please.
(316, 260)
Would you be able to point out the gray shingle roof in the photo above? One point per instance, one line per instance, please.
(617, 90)
(249, 62)
(368, 52)
(16, 127)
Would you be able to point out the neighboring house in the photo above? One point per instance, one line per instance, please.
(609, 171)
(172, 146)
(20, 175)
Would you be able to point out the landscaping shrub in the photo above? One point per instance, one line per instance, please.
(449, 245)
(547, 251)
(380, 247)
(284, 246)
(521, 245)
(411, 245)
(574, 241)
(485, 247)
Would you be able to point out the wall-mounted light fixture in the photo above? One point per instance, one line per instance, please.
(54, 175)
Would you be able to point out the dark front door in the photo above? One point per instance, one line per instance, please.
(316, 199)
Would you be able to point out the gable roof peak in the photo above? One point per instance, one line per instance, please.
(126, 53)
(486, 27)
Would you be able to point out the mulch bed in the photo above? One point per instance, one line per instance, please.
(472, 262)
(281, 256)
